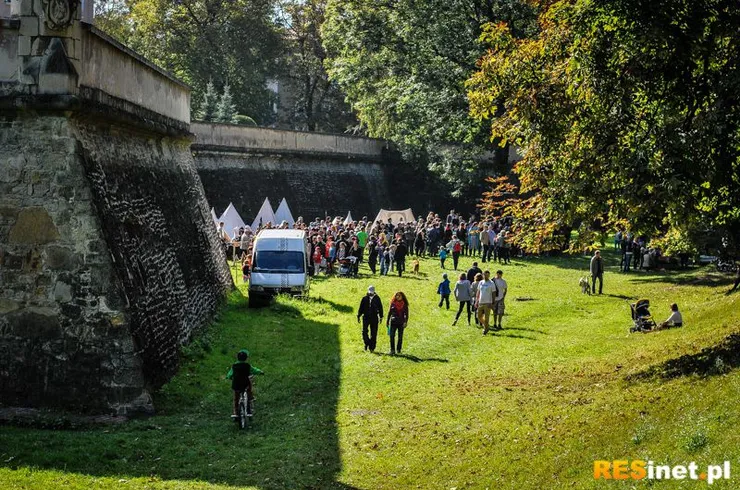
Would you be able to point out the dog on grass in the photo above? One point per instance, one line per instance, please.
(585, 288)
(415, 267)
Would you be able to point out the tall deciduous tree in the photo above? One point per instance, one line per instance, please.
(309, 100)
(202, 40)
(627, 112)
(403, 65)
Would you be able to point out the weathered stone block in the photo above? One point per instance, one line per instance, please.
(61, 258)
(35, 323)
(24, 46)
(62, 292)
(6, 306)
(34, 226)
(29, 26)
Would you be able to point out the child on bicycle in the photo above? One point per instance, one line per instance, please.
(240, 375)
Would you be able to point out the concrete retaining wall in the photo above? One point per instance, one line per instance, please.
(265, 140)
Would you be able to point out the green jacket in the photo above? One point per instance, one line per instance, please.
(252, 370)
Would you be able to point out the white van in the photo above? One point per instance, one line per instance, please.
(279, 265)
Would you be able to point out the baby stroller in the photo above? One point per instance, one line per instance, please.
(346, 266)
(643, 321)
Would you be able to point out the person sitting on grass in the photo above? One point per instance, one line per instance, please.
(675, 320)
(240, 375)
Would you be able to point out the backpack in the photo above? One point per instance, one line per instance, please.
(457, 247)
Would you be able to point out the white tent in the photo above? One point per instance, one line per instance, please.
(283, 214)
(264, 215)
(215, 218)
(348, 219)
(232, 220)
(398, 216)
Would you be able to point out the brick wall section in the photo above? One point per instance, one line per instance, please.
(108, 262)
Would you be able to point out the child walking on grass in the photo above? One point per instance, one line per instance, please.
(442, 257)
(444, 291)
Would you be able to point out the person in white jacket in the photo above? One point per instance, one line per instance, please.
(463, 294)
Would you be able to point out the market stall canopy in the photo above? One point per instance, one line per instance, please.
(397, 216)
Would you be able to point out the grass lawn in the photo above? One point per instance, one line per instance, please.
(533, 406)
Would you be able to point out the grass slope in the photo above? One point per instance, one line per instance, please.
(529, 407)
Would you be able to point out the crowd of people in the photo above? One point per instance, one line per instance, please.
(386, 246)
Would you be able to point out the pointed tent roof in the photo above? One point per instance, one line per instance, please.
(283, 214)
(264, 215)
(232, 220)
(213, 215)
(348, 219)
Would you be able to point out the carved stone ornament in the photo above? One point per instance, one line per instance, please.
(59, 13)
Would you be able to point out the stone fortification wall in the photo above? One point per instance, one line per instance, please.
(316, 173)
(109, 260)
(311, 186)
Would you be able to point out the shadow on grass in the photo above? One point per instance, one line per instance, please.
(332, 304)
(711, 361)
(534, 330)
(682, 278)
(412, 358)
(293, 440)
(503, 333)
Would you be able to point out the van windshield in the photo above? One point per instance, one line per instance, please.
(282, 262)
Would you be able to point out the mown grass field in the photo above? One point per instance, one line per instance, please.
(529, 407)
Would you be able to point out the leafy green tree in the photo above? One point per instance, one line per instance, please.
(403, 65)
(226, 109)
(202, 40)
(309, 100)
(627, 114)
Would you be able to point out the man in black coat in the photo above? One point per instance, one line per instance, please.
(472, 272)
(371, 311)
(401, 251)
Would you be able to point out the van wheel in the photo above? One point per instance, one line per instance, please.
(257, 301)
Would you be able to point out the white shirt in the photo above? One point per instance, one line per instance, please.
(501, 285)
(486, 291)
(675, 318)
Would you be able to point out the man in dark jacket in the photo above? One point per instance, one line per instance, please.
(371, 311)
(597, 272)
(470, 276)
(402, 251)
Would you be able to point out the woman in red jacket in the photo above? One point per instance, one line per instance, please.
(398, 317)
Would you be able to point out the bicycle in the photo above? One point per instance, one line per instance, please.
(245, 411)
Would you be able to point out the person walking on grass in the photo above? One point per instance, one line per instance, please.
(463, 296)
(456, 246)
(484, 301)
(397, 319)
(472, 272)
(443, 289)
(597, 272)
(371, 311)
(474, 294)
(442, 257)
(498, 304)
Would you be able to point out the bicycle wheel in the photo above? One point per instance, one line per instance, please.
(243, 411)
